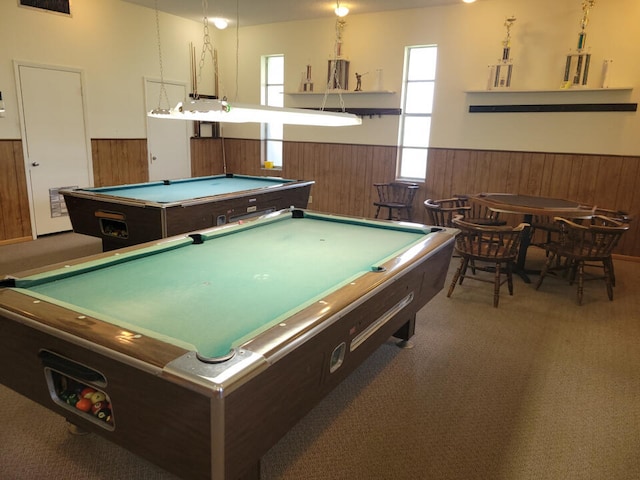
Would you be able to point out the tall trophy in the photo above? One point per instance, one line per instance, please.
(576, 70)
(500, 73)
(338, 67)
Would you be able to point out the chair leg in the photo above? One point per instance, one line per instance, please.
(608, 277)
(377, 212)
(496, 286)
(580, 273)
(464, 267)
(612, 273)
(459, 274)
(510, 278)
(545, 269)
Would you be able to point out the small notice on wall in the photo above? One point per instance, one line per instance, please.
(59, 6)
(56, 202)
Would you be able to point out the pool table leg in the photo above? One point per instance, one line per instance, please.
(405, 332)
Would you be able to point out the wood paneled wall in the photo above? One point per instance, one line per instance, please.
(118, 161)
(602, 180)
(344, 176)
(15, 222)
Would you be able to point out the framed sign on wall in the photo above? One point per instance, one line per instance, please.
(58, 6)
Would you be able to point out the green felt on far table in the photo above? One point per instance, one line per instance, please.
(190, 188)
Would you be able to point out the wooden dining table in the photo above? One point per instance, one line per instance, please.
(528, 206)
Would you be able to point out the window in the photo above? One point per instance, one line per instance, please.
(417, 106)
(272, 96)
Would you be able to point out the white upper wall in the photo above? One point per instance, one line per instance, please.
(114, 42)
(469, 38)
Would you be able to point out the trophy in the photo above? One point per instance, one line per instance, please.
(500, 73)
(576, 70)
(306, 83)
(338, 68)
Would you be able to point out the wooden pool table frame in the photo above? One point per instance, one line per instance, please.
(215, 421)
(145, 221)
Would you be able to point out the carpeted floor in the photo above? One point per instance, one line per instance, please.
(538, 388)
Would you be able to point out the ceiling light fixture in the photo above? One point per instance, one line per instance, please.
(341, 10)
(220, 23)
(215, 110)
(469, 1)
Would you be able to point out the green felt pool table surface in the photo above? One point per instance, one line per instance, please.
(188, 189)
(242, 279)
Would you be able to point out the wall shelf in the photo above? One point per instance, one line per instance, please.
(362, 112)
(558, 90)
(344, 92)
(510, 106)
(555, 107)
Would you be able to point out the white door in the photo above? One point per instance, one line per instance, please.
(167, 140)
(55, 140)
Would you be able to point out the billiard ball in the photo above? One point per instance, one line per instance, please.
(104, 414)
(72, 399)
(96, 407)
(87, 392)
(97, 397)
(84, 404)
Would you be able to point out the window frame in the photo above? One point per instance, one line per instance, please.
(271, 135)
(403, 148)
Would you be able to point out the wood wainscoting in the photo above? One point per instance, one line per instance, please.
(344, 176)
(119, 161)
(606, 181)
(15, 221)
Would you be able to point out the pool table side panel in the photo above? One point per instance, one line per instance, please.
(165, 423)
(148, 221)
(197, 216)
(144, 223)
(263, 410)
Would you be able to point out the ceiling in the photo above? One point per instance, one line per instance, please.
(256, 12)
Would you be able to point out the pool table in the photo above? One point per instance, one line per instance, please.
(217, 341)
(130, 214)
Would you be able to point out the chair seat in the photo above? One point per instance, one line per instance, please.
(397, 205)
(477, 213)
(486, 248)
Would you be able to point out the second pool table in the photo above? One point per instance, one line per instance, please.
(218, 341)
(131, 214)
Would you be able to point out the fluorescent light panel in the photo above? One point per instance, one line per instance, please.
(208, 110)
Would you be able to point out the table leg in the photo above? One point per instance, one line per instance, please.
(522, 252)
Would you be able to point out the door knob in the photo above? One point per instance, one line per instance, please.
(35, 164)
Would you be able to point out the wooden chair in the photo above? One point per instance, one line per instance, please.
(581, 246)
(546, 231)
(442, 212)
(396, 197)
(618, 216)
(478, 213)
(487, 248)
